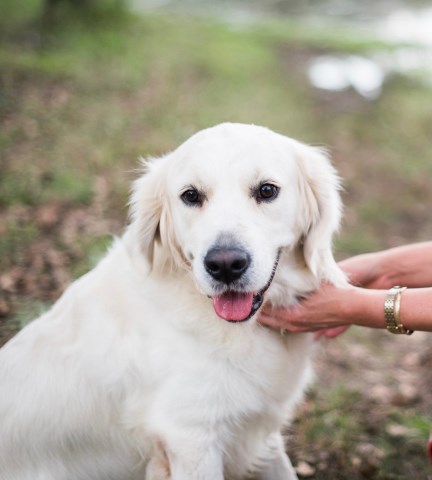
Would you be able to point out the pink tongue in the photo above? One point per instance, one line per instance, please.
(233, 306)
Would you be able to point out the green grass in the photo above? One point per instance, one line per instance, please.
(19, 236)
(357, 241)
(38, 187)
(346, 432)
(95, 248)
(28, 310)
(412, 444)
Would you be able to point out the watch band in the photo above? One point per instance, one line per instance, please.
(392, 311)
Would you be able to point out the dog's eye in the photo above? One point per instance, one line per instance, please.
(192, 197)
(266, 192)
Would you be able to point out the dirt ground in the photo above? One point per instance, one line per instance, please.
(380, 375)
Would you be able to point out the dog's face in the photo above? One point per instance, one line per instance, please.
(229, 201)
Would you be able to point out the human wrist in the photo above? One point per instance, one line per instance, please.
(392, 311)
(350, 305)
(364, 307)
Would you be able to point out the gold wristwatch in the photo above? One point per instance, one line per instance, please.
(392, 311)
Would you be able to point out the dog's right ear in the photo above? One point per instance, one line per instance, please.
(322, 208)
(146, 204)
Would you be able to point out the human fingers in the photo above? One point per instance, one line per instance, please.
(278, 316)
(331, 332)
(276, 323)
(362, 270)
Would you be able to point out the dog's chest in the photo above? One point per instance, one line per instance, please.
(236, 395)
(226, 384)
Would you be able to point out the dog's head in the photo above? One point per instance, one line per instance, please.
(229, 202)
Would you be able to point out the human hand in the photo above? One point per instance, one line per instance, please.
(363, 270)
(331, 332)
(321, 312)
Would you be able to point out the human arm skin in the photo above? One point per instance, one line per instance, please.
(409, 265)
(332, 309)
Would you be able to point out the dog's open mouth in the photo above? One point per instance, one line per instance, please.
(235, 306)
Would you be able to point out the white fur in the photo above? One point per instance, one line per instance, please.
(131, 375)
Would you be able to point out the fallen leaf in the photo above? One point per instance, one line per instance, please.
(397, 430)
(304, 469)
(406, 395)
(5, 308)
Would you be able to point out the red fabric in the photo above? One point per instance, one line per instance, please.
(430, 448)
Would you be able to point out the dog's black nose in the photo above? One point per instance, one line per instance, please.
(226, 264)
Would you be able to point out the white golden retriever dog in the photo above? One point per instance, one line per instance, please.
(153, 365)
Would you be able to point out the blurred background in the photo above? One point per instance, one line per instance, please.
(88, 86)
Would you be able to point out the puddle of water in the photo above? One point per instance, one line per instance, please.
(406, 25)
(391, 20)
(339, 73)
(367, 76)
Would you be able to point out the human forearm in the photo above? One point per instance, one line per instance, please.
(366, 308)
(410, 265)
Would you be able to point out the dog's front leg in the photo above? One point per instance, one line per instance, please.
(195, 462)
(278, 467)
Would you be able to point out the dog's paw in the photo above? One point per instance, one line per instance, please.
(158, 467)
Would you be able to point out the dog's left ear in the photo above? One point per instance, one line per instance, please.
(150, 211)
(320, 192)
